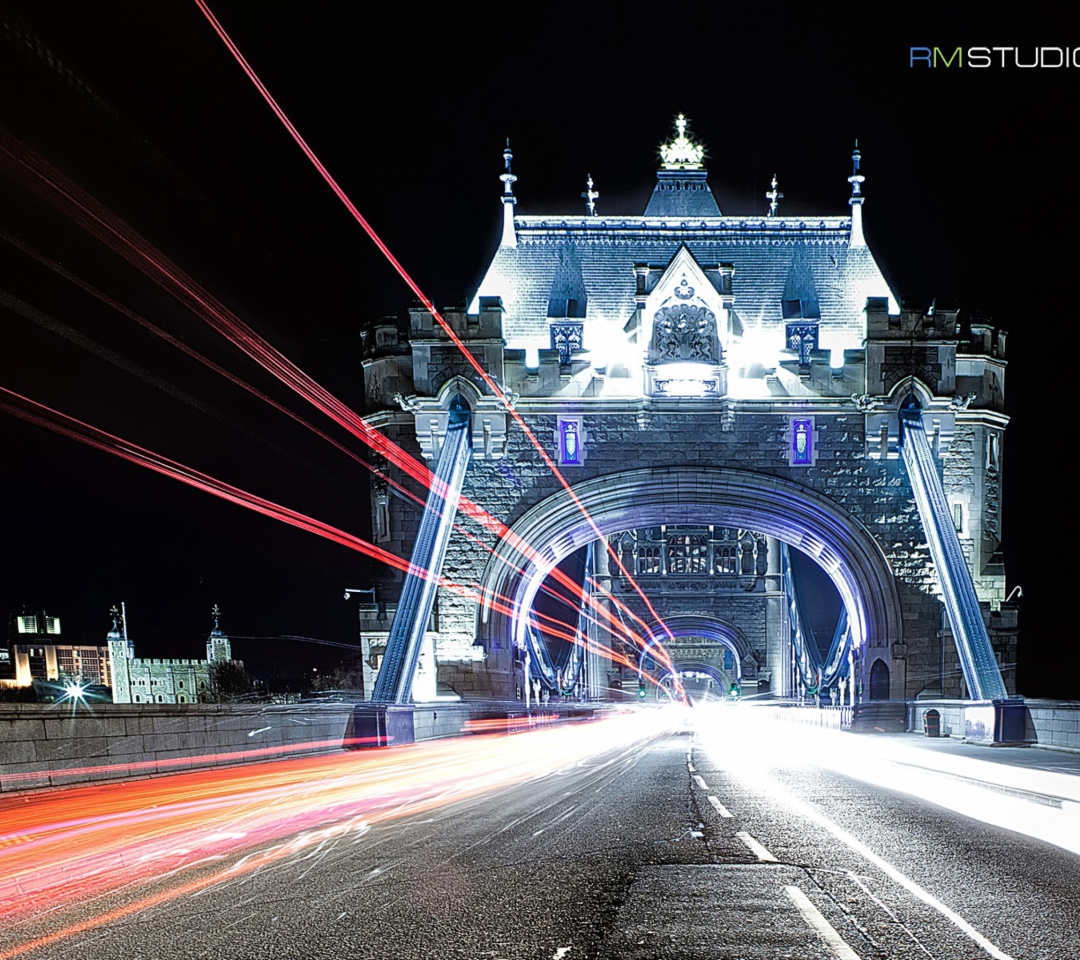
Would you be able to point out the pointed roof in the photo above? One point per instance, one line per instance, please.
(814, 260)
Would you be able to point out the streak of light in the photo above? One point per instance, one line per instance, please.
(65, 425)
(61, 423)
(1037, 803)
(495, 388)
(126, 242)
(179, 344)
(171, 837)
(916, 771)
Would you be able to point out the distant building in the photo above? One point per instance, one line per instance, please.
(137, 680)
(34, 652)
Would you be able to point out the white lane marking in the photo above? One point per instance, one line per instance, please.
(701, 783)
(560, 953)
(854, 878)
(820, 925)
(719, 807)
(690, 766)
(756, 848)
(888, 869)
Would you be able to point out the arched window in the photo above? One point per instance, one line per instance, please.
(879, 680)
(688, 553)
(648, 560)
(725, 560)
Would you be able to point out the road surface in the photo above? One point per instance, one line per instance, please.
(618, 839)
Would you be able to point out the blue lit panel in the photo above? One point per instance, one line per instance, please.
(802, 441)
(571, 446)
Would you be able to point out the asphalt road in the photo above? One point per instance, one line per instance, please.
(668, 845)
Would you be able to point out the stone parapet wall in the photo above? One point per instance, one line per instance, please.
(46, 745)
(43, 745)
(1054, 724)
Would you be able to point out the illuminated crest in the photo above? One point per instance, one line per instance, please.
(682, 153)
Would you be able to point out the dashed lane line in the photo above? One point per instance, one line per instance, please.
(820, 925)
(719, 807)
(811, 813)
(701, 783)
(756, 848)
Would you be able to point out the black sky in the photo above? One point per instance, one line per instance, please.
(969, 192)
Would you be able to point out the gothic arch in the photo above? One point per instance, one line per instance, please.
(458, 386)
(708, 628)
(692, 665)
(797, 515)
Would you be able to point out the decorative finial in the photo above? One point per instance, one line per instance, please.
(682, 153)
(114, 612)
(509, 237)
(590, 196)
(856, 178)
(774, 196)
(508, 178)
(215, 612)
(856, 201)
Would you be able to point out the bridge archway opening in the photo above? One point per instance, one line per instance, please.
(803, 518)
(704, 630)
(701, 683)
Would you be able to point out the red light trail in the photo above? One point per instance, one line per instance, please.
(495, 388)
(43, 416)
(196, 355)
(127, 243)
(166, 838)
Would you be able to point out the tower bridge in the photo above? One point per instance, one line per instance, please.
(713, 387)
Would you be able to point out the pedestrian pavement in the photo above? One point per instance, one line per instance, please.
(1037, 773)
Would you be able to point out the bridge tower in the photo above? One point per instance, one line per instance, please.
(711, 386)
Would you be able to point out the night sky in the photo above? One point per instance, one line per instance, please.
(970, 199)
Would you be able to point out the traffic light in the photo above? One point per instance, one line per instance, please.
(641, 691)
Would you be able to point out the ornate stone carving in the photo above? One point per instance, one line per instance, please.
(685, 331)
(961, 403)
(802, 338)
(410, 404)
(567, 339)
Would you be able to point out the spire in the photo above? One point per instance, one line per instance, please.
(773, 197)
(856, 180)
(215, 612)
(590, 197)
(509, 238)
(682, 153)
(115, 633)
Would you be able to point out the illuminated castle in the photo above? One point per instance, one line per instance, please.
(137, 680)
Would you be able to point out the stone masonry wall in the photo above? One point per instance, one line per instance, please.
(875, 490)
(44, 745)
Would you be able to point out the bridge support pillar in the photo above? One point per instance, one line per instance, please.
(380, 725)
